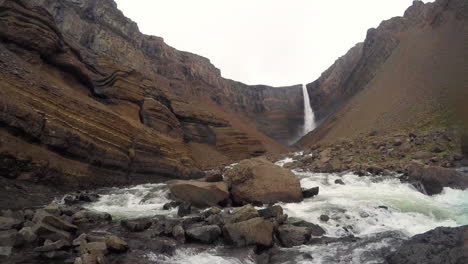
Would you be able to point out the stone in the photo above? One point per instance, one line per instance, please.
(7, 223)
(437, 149)
(94, 248)
(211, 211)
(206, 234)
(339, 181)
(309, 193)
(199, 194)
(87, 216)
(255, 231)
(178, 233)
(260, 181)
(116, 244)
(184, 209)
(42, 216)
(434, 179)
(315, 230)
(215, 220)
(137, 225)
(271, 212)
(324, 218)
(81, 238)
(291, 236)
(53, 209)
(53, 246)
(440, 245)
(421, 155)
(28, 234)
(46, 231)
(240, 214)
(215, 175)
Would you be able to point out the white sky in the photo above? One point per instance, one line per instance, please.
(274, 42)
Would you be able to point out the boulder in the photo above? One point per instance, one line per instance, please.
(7, 223)
(170, 205)
(53, 246)
(198, 193)
(291, 236)
(46, 231)
(215, 175)
(315, 230)
(138, 225)
(178, 233)
(434, 179)
(339, 181)
(42, 216)
(441, 245)
(5, 251)
(260, 181)
(87, 216)
(28, 234)
(116, 244)
(421, 155)
(243, 213)
(256, 231)
(184, 209)
(206, 234)
(271, 212)
(94, 248)
(310, 192)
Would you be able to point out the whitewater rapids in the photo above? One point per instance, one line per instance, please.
(379, 210)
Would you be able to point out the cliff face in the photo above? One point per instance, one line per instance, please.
(88, 100)
(406, 75)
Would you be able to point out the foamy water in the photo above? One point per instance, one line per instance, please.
(379, 210)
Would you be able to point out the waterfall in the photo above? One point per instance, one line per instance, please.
(309, 118)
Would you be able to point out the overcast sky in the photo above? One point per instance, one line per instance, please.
(274, 42)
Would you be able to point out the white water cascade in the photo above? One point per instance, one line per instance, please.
(309, 118)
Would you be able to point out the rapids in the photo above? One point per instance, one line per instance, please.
(377, 212)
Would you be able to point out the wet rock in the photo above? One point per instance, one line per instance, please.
(87, 216)
(315, 230)
(206, 234)
(271, 212)
(215, 220)
(374, 170)
(200, 194)
(215, 175)
(434, 179)
(291, 236)
(339, 181)
(211, 211)
(42, 216)
(137, 225)
(441, 245)
(116, 244)
(309, 193)
(53, 209)
(81, 238)
(383, 207)
(184, 209)
(46, 231)
(7, 223)
(94, 248)
(28, 234)
(242, 214)
(260, 181)
(324, 218)
(178, 233)
(53, 246)
(256, 231)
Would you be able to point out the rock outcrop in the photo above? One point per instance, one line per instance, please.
(397, 78)
(87, 100)
(260, 181)
(441, 245)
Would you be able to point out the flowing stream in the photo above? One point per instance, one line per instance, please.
(309, 118)
(380, 211)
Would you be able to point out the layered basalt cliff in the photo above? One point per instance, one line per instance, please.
(88, 100)
(405, 75)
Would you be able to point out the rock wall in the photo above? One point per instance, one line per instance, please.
(405, 76)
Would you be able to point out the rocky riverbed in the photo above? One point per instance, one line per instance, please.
(339, 218)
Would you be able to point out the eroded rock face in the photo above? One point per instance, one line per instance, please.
(260, 181)
(441, 245)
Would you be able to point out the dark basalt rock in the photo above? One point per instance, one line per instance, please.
(136, 225)
(310, 192)
(441, 245)
(434, 179)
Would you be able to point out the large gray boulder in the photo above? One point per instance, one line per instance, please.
(198, 193)
(291, 236)
(260, 181)
(206, 234)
